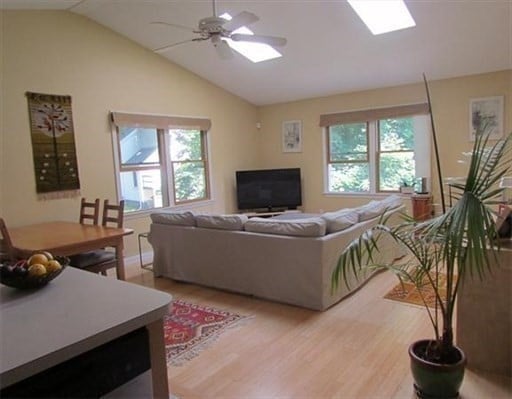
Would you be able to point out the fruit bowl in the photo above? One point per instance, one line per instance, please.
(15, 277)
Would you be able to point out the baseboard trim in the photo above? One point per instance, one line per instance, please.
(147, 257)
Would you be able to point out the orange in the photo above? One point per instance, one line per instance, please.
(52, 266)
(36, 270)
(38, 258)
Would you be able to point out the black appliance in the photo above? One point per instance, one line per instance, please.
(269, 189)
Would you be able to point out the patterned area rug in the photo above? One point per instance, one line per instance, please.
(190, 328)
(408, 293)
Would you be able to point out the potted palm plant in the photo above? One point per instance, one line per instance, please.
(460, 243)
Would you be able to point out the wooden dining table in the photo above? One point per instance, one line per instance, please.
(69, 238)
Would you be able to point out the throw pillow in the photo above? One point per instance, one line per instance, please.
(371, 210)
(340, 220)
(180, 218)
(392, 202)
(223, 222)
(312, 227)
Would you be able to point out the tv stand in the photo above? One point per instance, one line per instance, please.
(269, 213)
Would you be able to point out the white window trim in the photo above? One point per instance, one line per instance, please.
(372, 156)
(167, 186)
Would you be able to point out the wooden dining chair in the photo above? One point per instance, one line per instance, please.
(113, 214)
(7, 251)
(89, 211)
(100, 260)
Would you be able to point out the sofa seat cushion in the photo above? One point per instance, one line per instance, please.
(180, 218)
(311, 227)
(340, 220)
(223, 222)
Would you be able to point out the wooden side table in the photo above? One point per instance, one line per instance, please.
(421, 206)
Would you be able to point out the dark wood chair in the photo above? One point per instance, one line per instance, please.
(100, 260)
(7, 251)
(89, 211)
(113, 214)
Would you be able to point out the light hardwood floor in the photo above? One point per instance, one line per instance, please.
(356, 349)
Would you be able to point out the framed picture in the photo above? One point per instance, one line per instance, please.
(486, 113)
(292, 136)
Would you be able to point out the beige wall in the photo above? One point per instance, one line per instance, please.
(450, 103)
(2, 117)
(63, 53)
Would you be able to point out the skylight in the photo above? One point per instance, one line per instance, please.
(382, 16)
(256, 52)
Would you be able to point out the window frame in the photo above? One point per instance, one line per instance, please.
(163, 126)
(371, 118)
(378, 153)
(203, 160)
(366, 161)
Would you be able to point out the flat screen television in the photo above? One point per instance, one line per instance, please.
(269, 189)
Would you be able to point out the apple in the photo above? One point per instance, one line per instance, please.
(20, 271)
(22, 263)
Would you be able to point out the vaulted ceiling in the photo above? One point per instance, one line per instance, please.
(329, 49)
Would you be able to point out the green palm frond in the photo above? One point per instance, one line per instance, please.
(457, 243)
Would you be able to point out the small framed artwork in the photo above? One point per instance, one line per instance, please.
(486, 115)
(292, 136)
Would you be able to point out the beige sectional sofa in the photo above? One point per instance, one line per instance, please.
(287, 259)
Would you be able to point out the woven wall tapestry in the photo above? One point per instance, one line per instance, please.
(53, 146)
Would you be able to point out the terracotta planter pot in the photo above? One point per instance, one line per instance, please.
(433, 380)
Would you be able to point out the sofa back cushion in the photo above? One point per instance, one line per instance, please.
(180, 218)
(392, 202)
(340, 220)
(223, 222)
(377, 208)
(371, 210)
(311, 227)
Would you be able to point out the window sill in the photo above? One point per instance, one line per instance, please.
(363, 195)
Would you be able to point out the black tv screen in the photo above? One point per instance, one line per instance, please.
(268, 189)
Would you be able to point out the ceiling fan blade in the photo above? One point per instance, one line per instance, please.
(270, 40)
(188, 29)
(165, 48)
(245, 18)
(223, 49)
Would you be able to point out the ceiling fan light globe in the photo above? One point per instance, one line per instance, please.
(211, 24)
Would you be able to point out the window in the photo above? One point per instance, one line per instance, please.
(141, 167)
(395, 154)
(349, 162)
(189, 167)
(373, 151)
(158, 164)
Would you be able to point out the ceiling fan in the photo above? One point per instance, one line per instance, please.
(218, 29)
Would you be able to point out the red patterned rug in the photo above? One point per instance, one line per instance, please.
(190, 328)
(408, 293)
